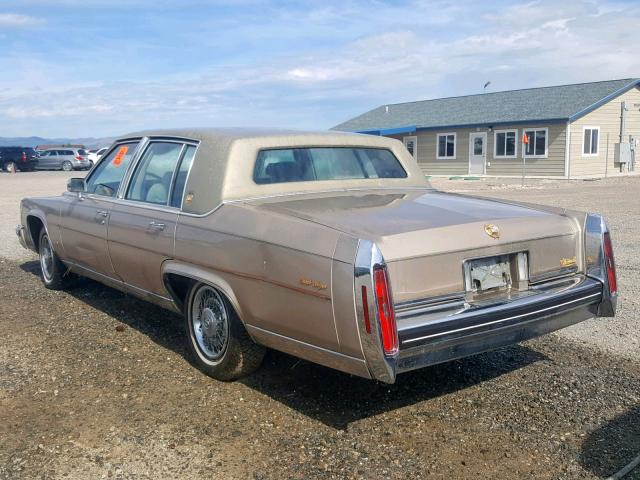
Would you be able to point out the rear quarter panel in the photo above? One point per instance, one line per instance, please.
(278, 268)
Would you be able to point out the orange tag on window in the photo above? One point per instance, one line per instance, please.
(117, 160)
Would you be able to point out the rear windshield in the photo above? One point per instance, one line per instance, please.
(82, 152)
(328, 163)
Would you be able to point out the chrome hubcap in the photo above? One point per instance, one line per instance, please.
(46, 258)
(210, 322)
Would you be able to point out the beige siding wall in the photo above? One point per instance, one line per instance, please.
(552, 165)
(607, 117)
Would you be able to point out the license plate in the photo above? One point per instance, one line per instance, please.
(489, 273)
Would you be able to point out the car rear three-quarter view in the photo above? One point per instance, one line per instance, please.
(331, 247)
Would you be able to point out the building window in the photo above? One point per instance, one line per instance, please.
(446, 145)
(505, 144)
(590, 141)
(411, 144)
(537, 146)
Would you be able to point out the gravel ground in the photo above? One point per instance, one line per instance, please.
(96, 384)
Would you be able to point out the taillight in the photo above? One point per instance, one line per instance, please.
(24, 157)
(610, 263)
(79, 158)
(386, 314)
(365, 310)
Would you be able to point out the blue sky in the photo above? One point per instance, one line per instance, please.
(104, 67)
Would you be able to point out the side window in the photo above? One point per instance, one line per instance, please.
(106, 177)
(151, 181)
(181, 176)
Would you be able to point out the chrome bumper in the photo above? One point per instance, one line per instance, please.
(443, 332)
(21, 233)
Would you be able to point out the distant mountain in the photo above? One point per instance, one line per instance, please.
(89, 142)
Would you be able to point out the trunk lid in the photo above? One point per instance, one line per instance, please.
(425, 235)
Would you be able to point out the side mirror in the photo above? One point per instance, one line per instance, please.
(76, 185)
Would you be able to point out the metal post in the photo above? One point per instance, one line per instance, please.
(524, 157)
(606, 164)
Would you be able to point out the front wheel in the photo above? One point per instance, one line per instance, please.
(67, 166)
(53, 273)
(10, 167)
(217, 338)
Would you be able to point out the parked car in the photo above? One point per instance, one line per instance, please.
(66, 159)
(331, 247)
(95, 155)
(24, 159)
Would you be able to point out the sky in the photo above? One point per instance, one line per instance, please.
(92, 68)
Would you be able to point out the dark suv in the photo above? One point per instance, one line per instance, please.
(24, 159)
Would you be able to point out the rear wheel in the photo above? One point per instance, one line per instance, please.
(217, 338)
(10, 167)
(53, 273)
(67, 166)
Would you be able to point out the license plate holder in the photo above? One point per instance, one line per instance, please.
(499, 272)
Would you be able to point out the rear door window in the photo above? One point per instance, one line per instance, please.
(181, 176)
(152, 179)
(107, 176)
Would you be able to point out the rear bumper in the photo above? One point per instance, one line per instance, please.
(81, 164)
(428, 337)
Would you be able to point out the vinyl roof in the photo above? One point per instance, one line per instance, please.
(558, 103)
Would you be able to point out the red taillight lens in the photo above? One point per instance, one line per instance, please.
(365, 310)
(24, 157)
(386, 314)
(78, 157)
(610, 263)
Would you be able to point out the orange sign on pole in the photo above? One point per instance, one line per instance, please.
(525, 138)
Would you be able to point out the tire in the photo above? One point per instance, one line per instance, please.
(217, 338)
(53, 273)
(67, 166)
(10, 167)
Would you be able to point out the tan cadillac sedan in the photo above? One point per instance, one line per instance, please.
(331, 247)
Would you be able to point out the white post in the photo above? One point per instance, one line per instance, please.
(524, 156)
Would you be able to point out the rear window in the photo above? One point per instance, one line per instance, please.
(325, 163)
(82, 152)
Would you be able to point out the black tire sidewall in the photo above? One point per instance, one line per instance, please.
(226, 368)
(58, 279)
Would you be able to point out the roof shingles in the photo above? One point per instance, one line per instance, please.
(532, 105)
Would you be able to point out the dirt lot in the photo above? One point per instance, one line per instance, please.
(96, 384)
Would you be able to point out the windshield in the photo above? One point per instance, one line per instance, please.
(325, 163)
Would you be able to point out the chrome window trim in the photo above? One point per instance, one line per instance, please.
(108, 152)
(139, 159)
(124, 186)
(186, 181)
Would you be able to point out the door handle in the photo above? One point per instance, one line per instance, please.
(156, 225)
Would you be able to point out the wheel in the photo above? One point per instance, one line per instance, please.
(54, 274)
(216, 337)
(10, 167)
(67, 166)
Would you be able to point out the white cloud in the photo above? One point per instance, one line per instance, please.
(16, 20)
(397, 54)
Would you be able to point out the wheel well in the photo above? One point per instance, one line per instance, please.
(178, 287)
(35, 225)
